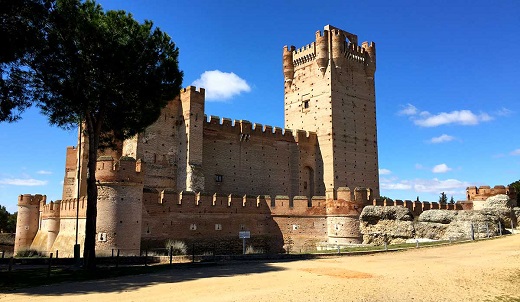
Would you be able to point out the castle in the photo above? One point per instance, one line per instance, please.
(289, 188)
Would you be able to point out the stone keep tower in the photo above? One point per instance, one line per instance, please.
(330, 89)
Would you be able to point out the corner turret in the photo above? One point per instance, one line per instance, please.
(120, 193)
(27, 221)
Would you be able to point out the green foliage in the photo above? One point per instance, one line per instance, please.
(22, 22)
(516, 186)
(106, 70)
(443, 199)
(29, 253)
(177, 247)
(382, 197)
(452, 201)
(7, 221)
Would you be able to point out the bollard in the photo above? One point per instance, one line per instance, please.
(3, 254)
(49, 268)
(472, 232)
(487, 230)
(56, 254)
(416, 243)
(386, 246)
(117, 259)
(500, 227)
(338, 250)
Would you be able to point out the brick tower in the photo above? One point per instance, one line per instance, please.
(329, 89)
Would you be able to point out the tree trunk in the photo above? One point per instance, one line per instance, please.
(89, 251)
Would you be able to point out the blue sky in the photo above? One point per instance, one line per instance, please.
(447, 85)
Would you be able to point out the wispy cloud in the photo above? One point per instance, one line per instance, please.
(384, 172)
(457, 117)
(409, 109)
(441, 168)
(460, 117)
(44, 172)
(419, 166)
(515, 152)
(441, 139)
(433, 186)
(503, 112)
(221, 86)
(22, 182)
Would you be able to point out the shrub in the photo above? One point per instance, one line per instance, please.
(178, 247)
(251, 250)
(29, 253)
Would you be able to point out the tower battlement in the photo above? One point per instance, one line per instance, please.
(126, 169)
(483, 192)
(246, 129)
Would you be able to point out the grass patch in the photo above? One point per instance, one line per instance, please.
(39, 276)
(373, 248)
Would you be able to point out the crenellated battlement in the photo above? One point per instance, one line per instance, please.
(483, 192)
(51, 210)
(417, 207)
(202, 202)
(192, 89)
(31, 200)
(304, 54)
(64, 208)
(246, 129)
(125, 170)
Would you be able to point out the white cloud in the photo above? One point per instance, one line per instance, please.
(395, 186)
(409, 109)
(441, 168)
(44, 172)
(442, 139)
(461, 117)
(515, 152)
(503, 112)
(220, 85)
(22, 182)
(432, 186)
(384, 172)
(448, 186)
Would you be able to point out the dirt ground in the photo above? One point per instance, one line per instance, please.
(479, 271)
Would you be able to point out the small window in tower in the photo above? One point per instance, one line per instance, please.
(218, 177)
(305, 104)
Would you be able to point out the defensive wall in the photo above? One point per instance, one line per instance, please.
(251, 158)
(477, 195)
(212, 221)
(417, 207)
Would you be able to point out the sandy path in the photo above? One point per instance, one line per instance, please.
(478, 271)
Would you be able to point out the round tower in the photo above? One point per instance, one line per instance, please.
(343, 217)
(120, 193)
(322, 50)
(288, 65)
(27, 220)
(370, 59)
(52, 216)
(338, 46)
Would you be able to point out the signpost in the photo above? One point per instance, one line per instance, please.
(244, 235)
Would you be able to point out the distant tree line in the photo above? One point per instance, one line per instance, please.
(7, 221)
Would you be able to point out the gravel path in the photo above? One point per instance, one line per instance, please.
(487, 270)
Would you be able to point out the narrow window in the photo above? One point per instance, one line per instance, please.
(218, 177)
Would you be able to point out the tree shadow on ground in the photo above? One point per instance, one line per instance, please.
(175, 274)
